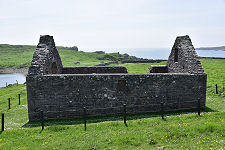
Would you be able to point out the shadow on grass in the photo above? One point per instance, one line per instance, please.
(118, 117)
(207, 109)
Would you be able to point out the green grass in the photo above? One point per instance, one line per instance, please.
(138, 67)
(13, 56)
(20, 56)
(215, 69)
(180, 130)
(144, 131)
(177, 132)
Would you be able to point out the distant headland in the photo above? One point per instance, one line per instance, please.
(222, 48)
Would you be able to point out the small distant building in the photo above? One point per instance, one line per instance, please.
(62, 92)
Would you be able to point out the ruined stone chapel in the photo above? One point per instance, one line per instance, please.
(62, 92)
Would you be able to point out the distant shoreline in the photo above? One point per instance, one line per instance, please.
(210, 49)
(212, 57)
(14, 70)
(221, 48)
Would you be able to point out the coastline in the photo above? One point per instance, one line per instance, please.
(14, 70)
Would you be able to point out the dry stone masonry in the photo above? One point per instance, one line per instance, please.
(63, 92)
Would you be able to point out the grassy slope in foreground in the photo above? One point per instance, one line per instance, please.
(146, 131)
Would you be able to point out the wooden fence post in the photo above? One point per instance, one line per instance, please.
(216, 89)
(125, 114)
(223, 86)
(199, 107)
(85, 118)
(3, 121)
(9, 102)
(19, 98)
(42, 120)
(162, 110)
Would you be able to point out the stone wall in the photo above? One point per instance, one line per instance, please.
(63, 92)
(46, 59)
(183, 57)
(64, 96)
(158, 69)
(95, 69)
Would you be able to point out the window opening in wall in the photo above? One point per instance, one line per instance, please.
(54, 68)
(122, 86)
(176, 55)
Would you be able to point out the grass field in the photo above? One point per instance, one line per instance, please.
(147, 131)
(184, 130)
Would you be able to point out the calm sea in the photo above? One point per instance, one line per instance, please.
(157, 53)
(11, 79)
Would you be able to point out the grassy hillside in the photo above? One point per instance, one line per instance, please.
(20, 56)
(16, 56)
(184, 130)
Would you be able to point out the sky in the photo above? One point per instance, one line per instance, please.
(113, 23)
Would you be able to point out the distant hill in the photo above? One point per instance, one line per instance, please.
(20, 56)
(212, 48)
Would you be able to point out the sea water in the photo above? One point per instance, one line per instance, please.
(11, 79)
(156, 53)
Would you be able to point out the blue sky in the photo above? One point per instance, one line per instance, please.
(113, 23)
